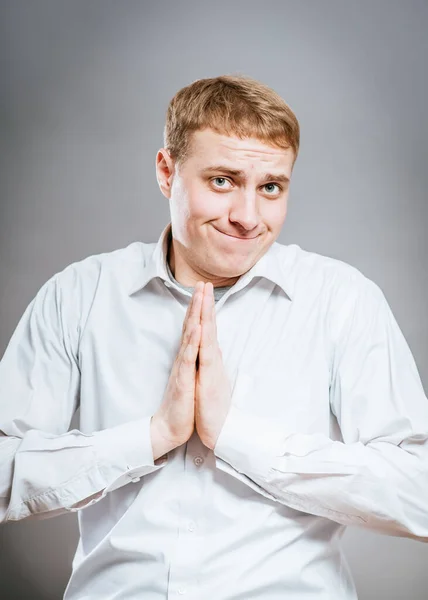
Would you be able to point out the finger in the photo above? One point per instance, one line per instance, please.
(193, 310)
(214, 320)
(206, 350)
(188, 311)
(185, 370)
(195, 314)
(187, 359)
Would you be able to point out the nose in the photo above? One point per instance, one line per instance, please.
(244, 212)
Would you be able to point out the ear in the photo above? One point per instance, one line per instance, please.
(165, 168)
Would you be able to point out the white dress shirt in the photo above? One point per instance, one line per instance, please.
(328, 427)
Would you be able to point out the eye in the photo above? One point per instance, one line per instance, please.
(221, 179)
(272, 184)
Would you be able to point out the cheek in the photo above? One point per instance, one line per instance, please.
(205, 204)
(275, 213)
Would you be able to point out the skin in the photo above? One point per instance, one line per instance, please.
(201, 205)
(222, 224)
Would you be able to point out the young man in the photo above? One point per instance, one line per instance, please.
(241, 401)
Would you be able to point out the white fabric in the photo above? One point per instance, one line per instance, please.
(328, 428)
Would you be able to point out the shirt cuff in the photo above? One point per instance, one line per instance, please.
(125, 452)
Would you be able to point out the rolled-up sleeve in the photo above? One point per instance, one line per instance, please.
(377, 477)
(47, 470)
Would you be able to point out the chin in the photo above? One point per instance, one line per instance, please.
(232, 271)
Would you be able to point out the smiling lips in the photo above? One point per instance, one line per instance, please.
(235, 237)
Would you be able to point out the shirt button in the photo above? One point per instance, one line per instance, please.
(191, 526)
(167, 283)
(181, 590)
(198, 460)
(135, 479)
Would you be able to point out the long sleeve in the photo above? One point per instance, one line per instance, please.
(377, 478)
(47, 470)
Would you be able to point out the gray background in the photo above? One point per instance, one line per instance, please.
(84, 90)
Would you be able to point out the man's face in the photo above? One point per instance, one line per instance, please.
(223, 221)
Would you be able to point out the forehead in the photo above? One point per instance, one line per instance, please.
(208, 144)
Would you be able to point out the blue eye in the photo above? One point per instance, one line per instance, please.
(275, 184)
(220, 179)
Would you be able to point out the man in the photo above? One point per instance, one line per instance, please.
(241, 401)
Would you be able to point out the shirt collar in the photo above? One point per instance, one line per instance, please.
(271, 265)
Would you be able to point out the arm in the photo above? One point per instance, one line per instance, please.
(377, 477)
(45, 469)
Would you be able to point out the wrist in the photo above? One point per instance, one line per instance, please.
(161, 442)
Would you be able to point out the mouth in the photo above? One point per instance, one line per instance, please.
(234, 237)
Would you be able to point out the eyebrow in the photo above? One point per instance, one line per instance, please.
(281, 177)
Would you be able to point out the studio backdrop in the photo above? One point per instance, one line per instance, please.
(83, 94)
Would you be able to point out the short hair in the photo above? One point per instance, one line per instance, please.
(230, 105)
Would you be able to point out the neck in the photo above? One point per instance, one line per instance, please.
(187, 276)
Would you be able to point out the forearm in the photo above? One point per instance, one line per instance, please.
(46, 475)
(381, 485)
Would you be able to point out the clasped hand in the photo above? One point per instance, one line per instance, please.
(198, 393)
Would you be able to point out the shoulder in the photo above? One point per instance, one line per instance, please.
(76, 285)
(339, 287)
(119, 264)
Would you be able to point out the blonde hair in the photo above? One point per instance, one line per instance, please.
(230, 105)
